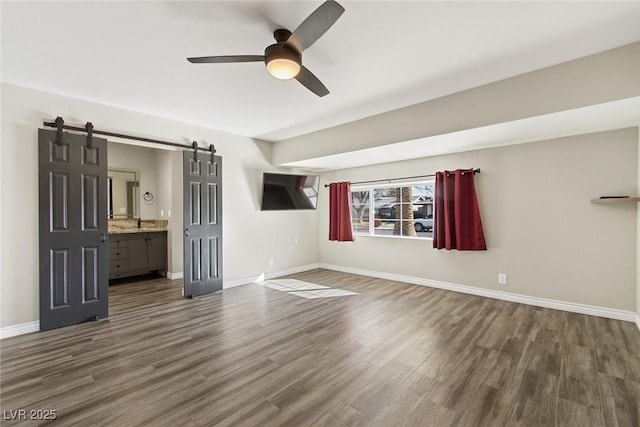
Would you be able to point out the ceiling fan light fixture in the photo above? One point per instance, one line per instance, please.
(282, 61)
(283, 69)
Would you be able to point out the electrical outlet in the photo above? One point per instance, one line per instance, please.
(271, 262)
(502, 279)
(295, 239)
(161, 213)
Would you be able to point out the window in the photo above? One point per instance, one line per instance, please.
(404, 210)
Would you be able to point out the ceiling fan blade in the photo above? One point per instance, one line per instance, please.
(315, 25)
(311, 82)
(226, 59)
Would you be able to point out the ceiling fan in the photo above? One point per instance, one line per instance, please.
(284, 58)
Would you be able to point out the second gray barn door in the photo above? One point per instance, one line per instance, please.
(202, 220)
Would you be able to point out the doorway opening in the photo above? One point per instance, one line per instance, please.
(141, 205)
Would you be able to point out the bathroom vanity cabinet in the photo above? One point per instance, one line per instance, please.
(131, 254)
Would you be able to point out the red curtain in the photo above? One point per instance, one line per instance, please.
(457, 217)
(340, 212)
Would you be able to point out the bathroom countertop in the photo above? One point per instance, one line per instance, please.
(136, 230)
(132, 225)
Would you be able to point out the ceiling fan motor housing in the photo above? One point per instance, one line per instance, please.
(281, 51)
(282, 61)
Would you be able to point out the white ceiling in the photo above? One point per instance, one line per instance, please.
(379, 56)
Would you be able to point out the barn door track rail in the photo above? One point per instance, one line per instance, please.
(90, 131)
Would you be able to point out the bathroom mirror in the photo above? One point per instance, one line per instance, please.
(123, 193)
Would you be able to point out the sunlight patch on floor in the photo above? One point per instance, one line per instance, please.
(323, 293)
(305, 289)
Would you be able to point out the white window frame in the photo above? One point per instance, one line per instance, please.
(371, 207)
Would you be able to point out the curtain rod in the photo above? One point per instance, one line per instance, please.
(475, 171)
(59, 124)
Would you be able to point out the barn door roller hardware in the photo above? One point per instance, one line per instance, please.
(213, 152)
(59, 124)
(89, 130)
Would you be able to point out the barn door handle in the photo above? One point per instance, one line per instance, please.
(103, 237)
(186, 232)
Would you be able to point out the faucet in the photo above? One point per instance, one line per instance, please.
(139, 222)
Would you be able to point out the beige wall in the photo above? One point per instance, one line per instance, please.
(143, 161)
(175, 220)
(250, 237)
(163, 185)
(540, 226)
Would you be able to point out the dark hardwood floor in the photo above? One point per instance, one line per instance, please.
(393, 355)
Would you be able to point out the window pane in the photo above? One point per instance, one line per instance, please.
(423, 200)
(407, 228)
(389, 193)
(405, 210)
(385, 201)
(385, 227)
(405, 195)
(360, 211)
(360, 226)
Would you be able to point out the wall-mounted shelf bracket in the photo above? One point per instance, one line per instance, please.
(606, 199)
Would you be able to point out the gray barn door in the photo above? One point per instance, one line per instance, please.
(73, 252)
(202, 224)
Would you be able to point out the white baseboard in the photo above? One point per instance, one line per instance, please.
(293, 270)
(610, 313)
(270, 275)
(23, 328)
(638, 321)
(256, 278)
